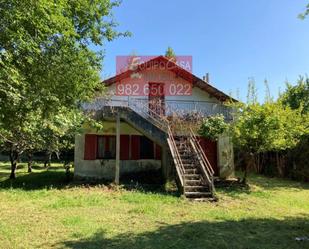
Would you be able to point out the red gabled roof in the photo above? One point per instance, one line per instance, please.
(196, 81)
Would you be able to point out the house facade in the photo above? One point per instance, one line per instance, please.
(137, 128)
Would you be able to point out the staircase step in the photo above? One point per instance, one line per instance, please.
(189, 166)
(198, 194)
(192, 182)
(192, 176)
(183, 150)
(185, 155)
(180, 140)
(208, 199)
(187, 160)
(191, 171)
(199, 188)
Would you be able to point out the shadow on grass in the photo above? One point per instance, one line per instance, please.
(272, 182)
(236, 189)
(56, 179)
(149, 181)
(36, 180)
(36, 165)
(247, 233)
(232, 188)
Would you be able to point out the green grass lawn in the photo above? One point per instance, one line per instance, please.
(39, 210)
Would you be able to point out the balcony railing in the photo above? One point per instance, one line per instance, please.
(167, 107)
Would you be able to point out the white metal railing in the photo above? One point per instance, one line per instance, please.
(204, 164)
(141, 106)
(176, 156)
(169, 107)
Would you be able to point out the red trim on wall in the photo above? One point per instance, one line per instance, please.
(135, 147)
(124, 147)
(210, 150)
(90, 147)
(127, 144)
(106, 142)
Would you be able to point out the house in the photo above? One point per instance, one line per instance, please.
(139, 135)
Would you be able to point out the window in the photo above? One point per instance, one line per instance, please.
(132, 147)
(106, 147)
(146, 148)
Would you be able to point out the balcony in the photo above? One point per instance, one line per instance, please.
(167, 107)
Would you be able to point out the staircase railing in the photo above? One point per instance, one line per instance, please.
(205, 166)
(162, 122)
(176, 156)
(143, 109)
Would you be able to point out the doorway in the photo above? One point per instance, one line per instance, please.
(156, 98)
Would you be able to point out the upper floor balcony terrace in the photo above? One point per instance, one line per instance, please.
(164, 107)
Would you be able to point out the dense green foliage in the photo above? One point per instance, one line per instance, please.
(169, 53)
(212, 127)
(273, 130)
(47, 66)
(306, 12)
(297, 96)
(267, 127)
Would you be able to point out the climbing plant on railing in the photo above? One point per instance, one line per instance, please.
(212, 127)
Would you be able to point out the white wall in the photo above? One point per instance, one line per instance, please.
(109, 128)
(167, 77)
(105, 169)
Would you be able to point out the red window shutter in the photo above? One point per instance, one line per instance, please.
(135, 147)
(158, 152)
(124, 147)
(90, 148)
(107, 143)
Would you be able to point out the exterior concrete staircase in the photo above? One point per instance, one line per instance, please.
(194, 171)
(142, 123)
(194, 185)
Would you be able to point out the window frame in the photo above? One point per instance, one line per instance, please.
(107, 143)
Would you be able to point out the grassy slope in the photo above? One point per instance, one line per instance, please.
(39, 211)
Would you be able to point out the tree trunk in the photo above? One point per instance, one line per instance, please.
(13, 160)
(29, 162)
(47, 160)
(249, 163)
(279, 164)
(245, 168)
(244, 179)
(256, 163)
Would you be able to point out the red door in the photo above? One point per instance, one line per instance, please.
(156, 98)
(210, 150)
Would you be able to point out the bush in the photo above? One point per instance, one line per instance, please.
(212, 127)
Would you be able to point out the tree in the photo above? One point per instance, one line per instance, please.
(297, 96)
(260, 128)
(46, 64)
(252, 96)
(212, 127)
(20, 136)
(306, 12)
(169, 53)
(58, 133)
